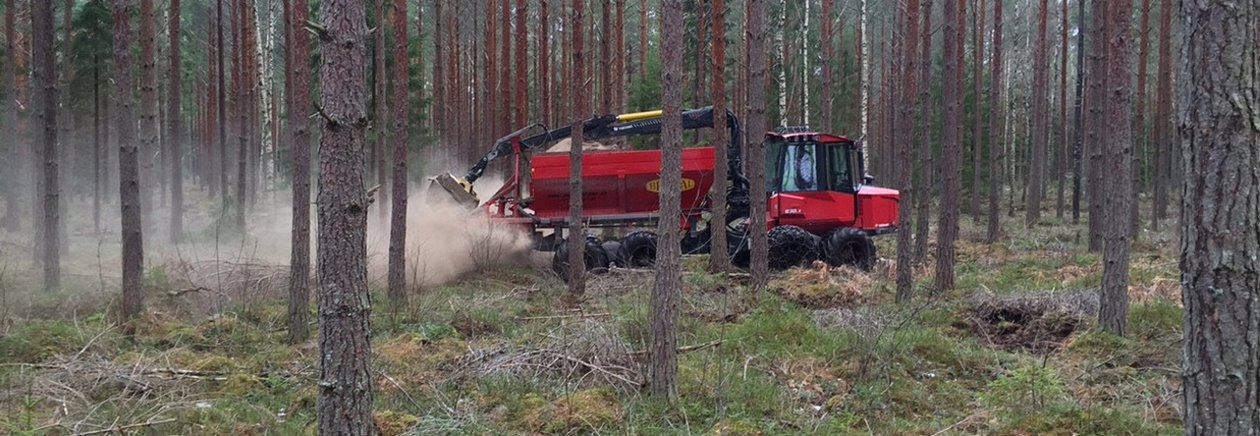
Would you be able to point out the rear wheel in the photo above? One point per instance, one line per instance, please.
(791, 246)
(594, 257)
(638, 250)
(849, 246)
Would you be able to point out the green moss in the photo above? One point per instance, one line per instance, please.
(38, 340)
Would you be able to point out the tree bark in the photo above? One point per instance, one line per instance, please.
(402, 115)
(927, 170)
(12, 221)
(1139, 117)
(1217, 103)
(380, 137)
(299, 106)
(45, 75)
(827, 38)
(1113, 309)
(643, 38)
(175, 129)
(1062, 157)
(545, 81)
(1078, 130)
(664, 355)
(577, 236)
(977, 79)
(148, 106)
(947, 223)
(605, 59)
(240, 93)
(221, 162)
(1096, 131)
(1163, 116)
(719, 258)
(1036, 161)
(996, 128)
(506, 84)
(757, 82)
(345, 386)
(909, 92)
(128, 169)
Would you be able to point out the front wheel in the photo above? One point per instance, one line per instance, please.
(849, 246)
(593, 256)
(791, 246)
(638, 250)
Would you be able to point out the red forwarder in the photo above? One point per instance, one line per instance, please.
(821, 205)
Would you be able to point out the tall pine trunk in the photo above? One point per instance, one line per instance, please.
(1062, 158)
(12, 220)
(148, 106)
(345, 380)
(947, 222)
(577, 236)
(755, 34)
(664, 333)
(398, 195)
(43, 46)
(1220, 143)
(1113, 309)
(1078, 115)
(299, 127)
(175, 129)
(997, 123)
(128, 168)
(719, 260)
(1036, 161)
(1139, 116)
(1163, 116)
(927, 171)
(905, 146)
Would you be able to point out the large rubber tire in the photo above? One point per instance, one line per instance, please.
(612, 248)
(594, 256)
(739, 242)
(638, 250)
(849, 246)
(791, 246)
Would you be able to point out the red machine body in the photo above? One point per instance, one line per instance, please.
(618, 183)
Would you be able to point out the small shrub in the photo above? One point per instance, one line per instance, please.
(38, 340)
(1026, 389)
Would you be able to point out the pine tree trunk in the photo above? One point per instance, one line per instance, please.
(909, 92)
(1036, 161)
(1096, 131)
(402, 115)
(927, 170)
(1078, 115)
(148, 106)
(757, 82)
(437, 115)
(128, 169)
(947, 223)
(240, 93)
(719, 260)
(1163, 116)
(619, 58)
(506, 84)
(1062, 157)
(643, 38)
(1113, 308)
(664, 333)
(380, 137)
(12, 221)
(45, 84)
(1139, 116)
(1217, 104)
(299, 127)
(488, 93)
(996, 111)
(345, 381)
(175, 129)
(577, 236)
(977, 137)
(545, 82)
(605, 59)
(522, 72)
(825, 113)
(222, 120)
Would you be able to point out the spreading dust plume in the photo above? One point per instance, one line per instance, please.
(446, 241)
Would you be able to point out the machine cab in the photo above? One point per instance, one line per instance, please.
(812, 179)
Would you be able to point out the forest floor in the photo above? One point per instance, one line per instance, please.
(503, 350)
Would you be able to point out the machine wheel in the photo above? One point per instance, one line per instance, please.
(638, 250)
(791, 246)
(595, 258)
(612, 248)
(849, 246)
(738, 242)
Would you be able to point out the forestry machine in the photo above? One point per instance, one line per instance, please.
(820, 204)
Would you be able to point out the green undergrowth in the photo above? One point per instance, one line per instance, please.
(455, 359)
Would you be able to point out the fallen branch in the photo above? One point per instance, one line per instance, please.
(179, 292)
(580, 315)
(120, 429)
(686, 349)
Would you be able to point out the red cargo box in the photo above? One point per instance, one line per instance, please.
(617, 182)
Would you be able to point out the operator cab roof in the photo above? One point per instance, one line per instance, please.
(804, 133)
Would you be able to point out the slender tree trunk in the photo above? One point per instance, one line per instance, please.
(12, 221)
(864, 59)
(345, 386)
(222, 119)
(1163, 116)
(299, 106)
(522, 71)
(380, 137)
(1062, 157)
(996, 128)
(909, 92)
(1220, 141)
(545, 81)
(1139, 117)
(947, 225)
(619, 58)
(1036, 161)
(98, 144)
(827, 38)
(757, 82)
(1078, 130)
(128, 169)
(440, 41)
(506, 84)
(1113, 309)
(241, 85)
(664, 354)
(46, 106)
(398, 214)
(148, 106)
(927, 170)
(605, 59)
(577, 236)
(643, 38)
(1096, 131)
(719, 259)
(977, 79)
(175, 132)
(488, 94)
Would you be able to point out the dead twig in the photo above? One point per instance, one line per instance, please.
(686, 349)
(121, 429)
